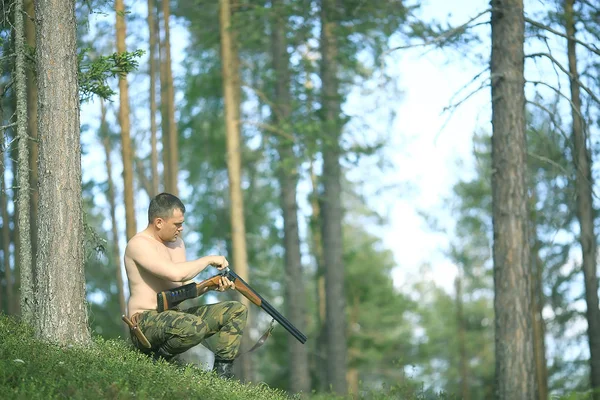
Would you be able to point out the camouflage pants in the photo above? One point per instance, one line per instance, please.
(218, 327)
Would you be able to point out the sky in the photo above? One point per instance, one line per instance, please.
(432, 147)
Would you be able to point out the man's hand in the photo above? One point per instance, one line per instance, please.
(219, 262)
(225, 284)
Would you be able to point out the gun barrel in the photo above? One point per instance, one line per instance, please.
(269, 309)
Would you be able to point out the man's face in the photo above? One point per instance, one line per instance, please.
(171, 227)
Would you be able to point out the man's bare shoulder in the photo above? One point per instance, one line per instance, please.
(139, 242)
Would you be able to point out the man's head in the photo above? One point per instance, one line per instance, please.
(165, 214)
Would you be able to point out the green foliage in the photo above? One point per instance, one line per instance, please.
(95, 72)
(109, 369)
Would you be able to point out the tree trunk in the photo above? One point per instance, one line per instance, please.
(317, 239)
(28, 304)
(164, 100)
(512, 276)
(112, 204)
(332, 208)
(169, 91)
(462, 343)
(585, 208)
(539, 327)
(153, 129)
(6, 235)
(234, 158)
(288, 179)
(61, 314)
(130, 224)
(32, 128)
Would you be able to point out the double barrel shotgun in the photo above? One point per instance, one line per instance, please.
(170, 298)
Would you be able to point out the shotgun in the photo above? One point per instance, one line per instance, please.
(170, 298)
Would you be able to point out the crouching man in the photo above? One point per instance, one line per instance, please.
(155, 261)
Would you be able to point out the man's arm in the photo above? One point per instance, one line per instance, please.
(155, 262)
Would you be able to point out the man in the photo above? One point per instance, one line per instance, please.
(155, 261)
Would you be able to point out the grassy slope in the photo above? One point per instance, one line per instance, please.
(30, 369)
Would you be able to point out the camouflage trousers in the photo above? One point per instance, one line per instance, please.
(218, 327)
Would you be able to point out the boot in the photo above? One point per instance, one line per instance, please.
(223, 368)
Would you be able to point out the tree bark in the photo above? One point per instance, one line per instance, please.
(153, 69)
(130, 224)
(61, 314)
(288, 179)
(234, 157)
(169, 91)
(332, 208)
(32, 128)
(28, 304)
(512, 276)
(112, 204)
(585, 207)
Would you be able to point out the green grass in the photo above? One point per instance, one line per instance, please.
(112, 369)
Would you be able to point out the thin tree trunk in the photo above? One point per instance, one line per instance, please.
(332, 208)
(130, 224)
(317, 239)
(32, 128)
(164, 108)
(28, 304)
(585, 207)
(112, 204)
(153, 108)
(234, 157)
(539, 328)
(61, 314)
(352, 375)
(170, 103)
(462, 342)
(6, 236)
(5, 220)
(288, 178)
(515, 377)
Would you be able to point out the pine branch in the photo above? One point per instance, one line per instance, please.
(270, 128)
(563, 69)
(443, 37)
(591, 48)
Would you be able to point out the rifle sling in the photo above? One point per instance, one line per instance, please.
(133, 328)
(262, 339)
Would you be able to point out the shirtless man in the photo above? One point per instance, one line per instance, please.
(155, 261)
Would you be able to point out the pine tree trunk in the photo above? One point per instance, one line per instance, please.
(61, 314)
(32, 128)
(153, 129)
(169, 91)
(317, 240)
(6, 235)
(539, 326)
(512, 276)
(164, 107)
(28, 304)
(116, 251)
(332, 208)
(288, 178)
(130, 224)
(462, 342)
(585, 208)
(234, 158)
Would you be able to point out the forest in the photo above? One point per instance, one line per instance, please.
(242, 109)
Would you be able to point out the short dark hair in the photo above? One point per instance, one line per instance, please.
(163, 205)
